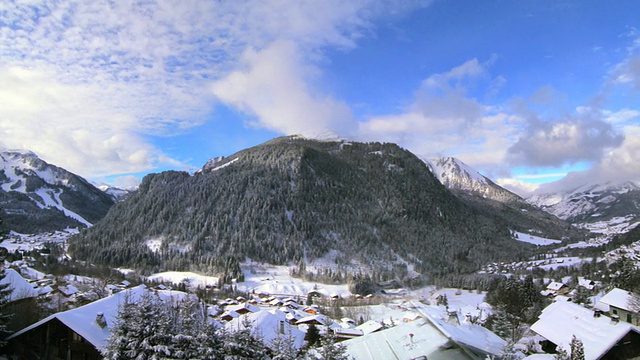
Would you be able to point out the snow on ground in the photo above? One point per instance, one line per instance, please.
(275, 280)
(188, 278)
(536, 240)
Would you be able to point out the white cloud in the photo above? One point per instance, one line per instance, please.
(86, 83)
(273, 85)
(444, 120)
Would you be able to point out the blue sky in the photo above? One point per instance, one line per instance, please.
(534, 95)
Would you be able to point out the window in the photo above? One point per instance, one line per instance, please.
(614, 311)
(629, 318)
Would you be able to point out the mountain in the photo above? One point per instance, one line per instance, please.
(292, 200)
(607, 207)
(36, 196)
(485, 196)
(116, 193)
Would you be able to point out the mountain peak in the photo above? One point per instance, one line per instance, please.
(454, 173)
(37, 196)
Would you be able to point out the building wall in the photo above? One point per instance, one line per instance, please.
(630, 317)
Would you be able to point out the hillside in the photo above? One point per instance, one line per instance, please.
(292, 200)
(36, 196)
(485, 196)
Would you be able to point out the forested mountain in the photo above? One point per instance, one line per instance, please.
(292, 200)
(612, 203)
(483, 194)
(36, 196)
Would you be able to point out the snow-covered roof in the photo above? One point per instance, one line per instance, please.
(319, 318)
(469, 336)
(244, 307)
(21, 288)
(370, 326)
(82, 320)
(68, 290)
(560, 321)
(555, 286)
(398, 343)
(622, 299)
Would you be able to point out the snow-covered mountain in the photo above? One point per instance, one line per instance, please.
(486, 196)
(116, 193)
(36, 196)
(607, 207)
(458, 176)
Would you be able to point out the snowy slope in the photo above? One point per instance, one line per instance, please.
(38, 196)
(606, 208)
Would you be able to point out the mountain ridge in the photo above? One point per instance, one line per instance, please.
(37, 196)
(375, 204)
(485, 195)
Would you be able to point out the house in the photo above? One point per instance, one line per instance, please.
(557, 288)
(429, 337)
(603, 337)
(624, 304)
(347, 333)
(79, 333)
(586, 283)
(370, 326)
(243, 308)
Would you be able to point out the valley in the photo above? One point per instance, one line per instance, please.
(365, 232)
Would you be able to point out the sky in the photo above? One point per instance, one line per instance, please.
(539, 96)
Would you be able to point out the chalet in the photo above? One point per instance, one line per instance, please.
(624, 304)
(370, 326)
(316, 320)
(229, 315)
(428, 337)
(347, 333)
(586, 283)
(557, 288)
(80, 333)
(243, 308)
(603, 337)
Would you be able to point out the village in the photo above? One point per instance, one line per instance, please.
(393, 323)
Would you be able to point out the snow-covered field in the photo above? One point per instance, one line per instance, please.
(271, 279)
(188, 278)
(536, 240)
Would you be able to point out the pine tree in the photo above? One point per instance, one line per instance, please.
(577, 349)
(330, 349)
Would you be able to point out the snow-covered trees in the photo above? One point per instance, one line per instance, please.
(577, 349)
(151, 328)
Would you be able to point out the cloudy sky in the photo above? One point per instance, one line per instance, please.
(532, 94)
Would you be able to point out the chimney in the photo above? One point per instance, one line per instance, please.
(453, 318)
(100, 320)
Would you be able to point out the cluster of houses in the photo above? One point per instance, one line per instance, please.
(432, 331)
(608, 330)
(57, 292)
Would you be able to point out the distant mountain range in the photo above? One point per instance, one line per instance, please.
(610, 206)
(36, 196)
(486, 196)
(293, 200)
